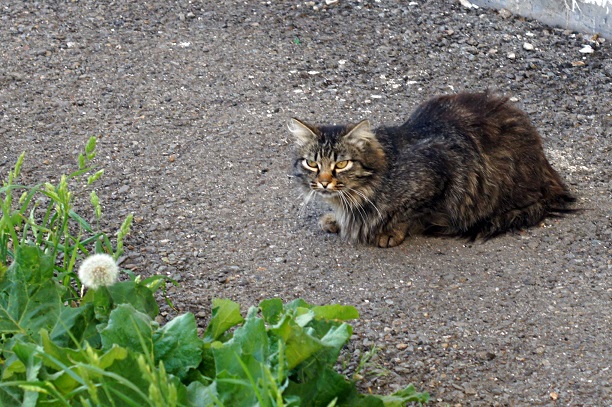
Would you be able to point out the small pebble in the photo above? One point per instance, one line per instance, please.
(511, 55)
(504, 13)
(587, 49)
(528, 46)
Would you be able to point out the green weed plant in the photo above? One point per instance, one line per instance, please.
(42, 216)
(105, 348)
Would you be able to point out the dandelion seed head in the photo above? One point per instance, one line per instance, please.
(98, 270)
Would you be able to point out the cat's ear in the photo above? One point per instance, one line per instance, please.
(360, 134)
(301, 131)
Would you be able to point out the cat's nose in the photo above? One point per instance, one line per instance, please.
(325, 179)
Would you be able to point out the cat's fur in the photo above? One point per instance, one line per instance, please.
(462, 165)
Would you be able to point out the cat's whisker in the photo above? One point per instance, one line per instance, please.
(345, 203)
(353, 203)
(361, 194)
(307, 199)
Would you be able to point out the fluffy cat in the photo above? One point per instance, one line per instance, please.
(468, 165)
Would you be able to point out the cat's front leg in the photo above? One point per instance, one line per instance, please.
(329, 223)
(392, 237)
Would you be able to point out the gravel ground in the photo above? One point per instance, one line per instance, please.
(190, 102)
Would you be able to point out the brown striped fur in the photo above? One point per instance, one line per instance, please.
(467, 165)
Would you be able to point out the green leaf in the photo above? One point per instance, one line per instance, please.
(121, 382)
(207, 369)
(12, 367)
(62, 354)
(82, 222)
(60, 358)
(76, 324)
(335, 339)
(297, 303)
(3, 270)
(30, 265)
(200, 395)
(10, 395)
(271, 310)
(28, 308)
(242, 367)
(28, 355)
(323, 388)
(300, 345)
(252, 337)
(178, 346)
(102, 302)
(128, 328)
(403, 396)
(122, 292)
(239, 386)
(303, 316)
(156, 282)
(225, 315)
(138, 295)
(336, 311)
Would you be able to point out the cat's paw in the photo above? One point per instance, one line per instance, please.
(392, 238)
(329, 224)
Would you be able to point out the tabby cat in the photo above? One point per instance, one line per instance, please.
(468, 164)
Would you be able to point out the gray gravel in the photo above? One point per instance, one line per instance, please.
(190, 102)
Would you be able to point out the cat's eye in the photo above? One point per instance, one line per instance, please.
(310, 164)
(343, 165)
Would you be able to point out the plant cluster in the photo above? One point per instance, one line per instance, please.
(59, 347)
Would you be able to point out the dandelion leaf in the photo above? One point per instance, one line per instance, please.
(139, 296)
(243, 365)
(300, 345)
(178, 346)
(225, 315)
(200, 395)
(336, 311)
(403, 396)
(322, 389)
(26, 308)
(129, 328)
(31, 265)
(271, 310)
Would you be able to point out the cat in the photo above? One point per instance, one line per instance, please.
(467, 165)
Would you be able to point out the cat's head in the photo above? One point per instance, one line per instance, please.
(342, 163)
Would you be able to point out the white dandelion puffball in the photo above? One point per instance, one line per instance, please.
(98, 270)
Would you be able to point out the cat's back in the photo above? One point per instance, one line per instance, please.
(484, 118)
(490, 160)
